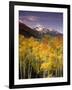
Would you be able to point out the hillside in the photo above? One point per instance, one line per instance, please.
(37, 32)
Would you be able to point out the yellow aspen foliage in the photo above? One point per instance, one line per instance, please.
(43, 55)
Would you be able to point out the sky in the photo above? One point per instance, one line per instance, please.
(50, 20)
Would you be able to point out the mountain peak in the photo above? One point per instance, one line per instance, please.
(42, 29)
(37, 32)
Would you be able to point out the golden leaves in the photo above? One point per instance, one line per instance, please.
(44, 55)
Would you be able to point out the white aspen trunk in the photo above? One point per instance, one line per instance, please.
(24, 69)
(44, 74)
(29, 72)
(56, 72)
(48, 73)
(21, 69)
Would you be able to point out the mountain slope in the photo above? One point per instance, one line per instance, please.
(36, 32)
(27, 31)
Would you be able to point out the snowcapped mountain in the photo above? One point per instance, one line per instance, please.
(44, 30)
(37, 32)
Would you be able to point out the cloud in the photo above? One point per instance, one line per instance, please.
(29, 18)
